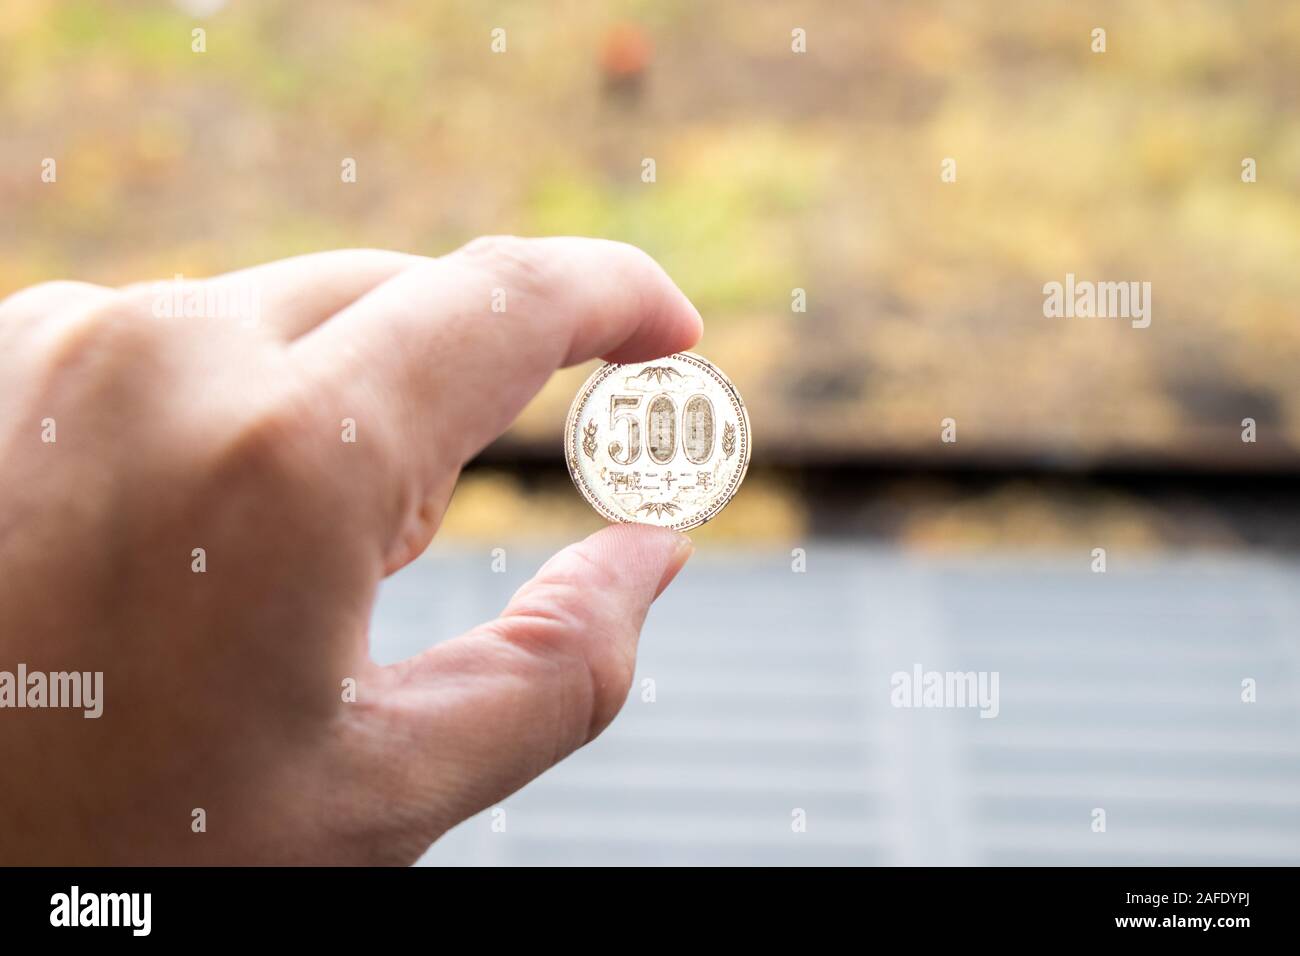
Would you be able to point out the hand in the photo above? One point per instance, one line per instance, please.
(223, 688)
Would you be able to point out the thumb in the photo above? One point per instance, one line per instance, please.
(481, 715)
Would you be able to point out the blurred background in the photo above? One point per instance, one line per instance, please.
(778, 171)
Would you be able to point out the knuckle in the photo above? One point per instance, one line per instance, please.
(267, 464)
(124, 314)
(111, 328)
(252, 469)
(518, 260)
(633, 256)
(264, 440)
(284, 434)
(28, 315)
(628, 261)
(565, 628)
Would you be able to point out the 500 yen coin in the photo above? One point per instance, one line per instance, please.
(663, 442)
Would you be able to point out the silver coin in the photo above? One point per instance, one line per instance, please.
(663, 442)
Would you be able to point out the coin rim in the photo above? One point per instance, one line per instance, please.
(571, 440)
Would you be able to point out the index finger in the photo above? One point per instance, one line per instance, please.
(454, 348)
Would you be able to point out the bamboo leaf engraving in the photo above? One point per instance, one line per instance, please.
(728, 440)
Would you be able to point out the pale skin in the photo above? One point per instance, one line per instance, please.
(224, 690)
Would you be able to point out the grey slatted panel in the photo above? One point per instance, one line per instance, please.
(1118, 690)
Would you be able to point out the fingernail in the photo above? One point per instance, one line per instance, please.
(681, 554)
